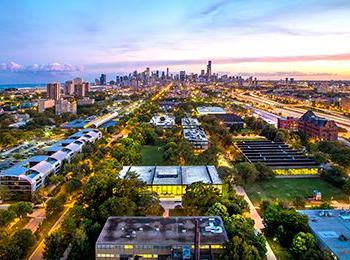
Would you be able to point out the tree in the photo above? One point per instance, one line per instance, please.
(264, 171)
(6, 216)
(21, 208)
(116, 207)
(217, 209)
(302, 242)
(284, 223)
(346, 187)
(18, 245)
(80, 245)
(200, 197)
(238, 248)
(299, 201)
(55, 245)
(55, 205)
(243, 228)
(247, 172)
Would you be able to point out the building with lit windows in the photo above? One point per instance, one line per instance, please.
(26, 177)
(161, 238)
(163, 120)
(171, 181)
(279, 156)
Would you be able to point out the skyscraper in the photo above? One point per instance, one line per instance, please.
(103, 79)
(53, 91)
(69, 87)
(209, 70)
(79, 90)
(182, 75)
(167, 73)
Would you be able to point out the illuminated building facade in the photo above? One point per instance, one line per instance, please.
(282, 159)
(171, 181)
(161, 238)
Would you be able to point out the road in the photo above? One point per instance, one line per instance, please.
(38, 252)
(286, 110)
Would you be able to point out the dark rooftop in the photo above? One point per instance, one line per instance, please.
(170, 231)
(274, 154)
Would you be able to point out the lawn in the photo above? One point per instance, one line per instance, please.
(152, 155)
(288, 189)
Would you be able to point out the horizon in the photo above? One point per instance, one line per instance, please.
(306, 40)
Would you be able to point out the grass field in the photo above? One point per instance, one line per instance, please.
(151, 155)
(288, 189)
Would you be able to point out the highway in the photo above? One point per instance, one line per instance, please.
(285, 110)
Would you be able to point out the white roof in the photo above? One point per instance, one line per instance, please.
(43, 167)
(60, 155)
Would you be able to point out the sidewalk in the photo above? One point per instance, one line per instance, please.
(258, 222)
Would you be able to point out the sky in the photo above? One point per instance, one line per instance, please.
(43, 41)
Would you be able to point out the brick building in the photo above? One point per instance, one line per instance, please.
(318, 127)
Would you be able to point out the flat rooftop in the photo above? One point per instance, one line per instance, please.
(328, 226)
(274, 154)
(195, 135)
(210, 110)
(189, 122)
(174, 175)
(170, 231)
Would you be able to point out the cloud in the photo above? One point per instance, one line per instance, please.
(214, 7)
(284, 74)
(267, 59)
(35, 68)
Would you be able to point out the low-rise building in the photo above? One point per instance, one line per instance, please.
(163, 121)
(43, 104)
(282, 159)
(26, 177)
(288, 123)
(86, 101)
(230, 120)
(161, 238)
(64, 106)
(344, 103)
(331, 229)
(197, 138)
(171, 181)
(210, 110)
(318, 127)
(189, 122)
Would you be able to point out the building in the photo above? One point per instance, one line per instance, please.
(163, 121)
(87, 87)
(43, 104)
(210, 110)
(288, 123)
(69, 88)
(182, 75)
(171, 181)
(86, 101)
(279, 156)
(103, 79)
(64, 106)
(79, 90)
(230, 120)
(189, 123)
(161, 238)
(26, 177)
(209, 70)
(331, 229)
(344, 103)
(197, 138)
(53, 91)
(318, 127)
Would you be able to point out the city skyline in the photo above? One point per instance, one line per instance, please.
(54, 41)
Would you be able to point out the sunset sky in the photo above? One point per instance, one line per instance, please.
(42, 41)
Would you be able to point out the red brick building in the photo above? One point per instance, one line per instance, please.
(318, 127)
(289, 123)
